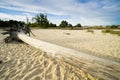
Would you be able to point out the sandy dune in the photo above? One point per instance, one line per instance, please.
(98, 44)
(24, 62)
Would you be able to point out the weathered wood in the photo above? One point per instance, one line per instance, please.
(13, 31)
(1, 61)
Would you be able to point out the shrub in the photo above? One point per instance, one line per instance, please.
(111, 31)
(67, 33)
(90, 30)
(106, 30)
(115, 32)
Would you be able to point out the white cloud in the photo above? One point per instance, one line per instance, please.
(5, 16)
(94, 12)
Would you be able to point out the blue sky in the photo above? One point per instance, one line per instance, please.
(86, 12)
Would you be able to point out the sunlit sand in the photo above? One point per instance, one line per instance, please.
(97, 43)
(25, 62)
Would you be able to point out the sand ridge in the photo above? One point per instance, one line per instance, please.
(23, 62)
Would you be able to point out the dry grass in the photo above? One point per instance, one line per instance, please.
(111, 31)
(67, 33)
(90, 30)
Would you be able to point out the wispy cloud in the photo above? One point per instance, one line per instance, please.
(5, 16)
(86, 12)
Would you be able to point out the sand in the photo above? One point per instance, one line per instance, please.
(24, 62)
(97, 43)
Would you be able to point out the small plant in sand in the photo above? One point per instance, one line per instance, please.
(1, 61)
(106, 30)
(111, 31)
(90, 30)
(67, 33)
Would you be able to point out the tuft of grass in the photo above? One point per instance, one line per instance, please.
(115, 32)
(106, 31)
(111, 31)
(67, 33)
(90, 30)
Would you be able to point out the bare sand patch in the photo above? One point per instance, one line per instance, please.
(25, 62)
(97, 43)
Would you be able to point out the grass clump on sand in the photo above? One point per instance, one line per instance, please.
(111, 31)
(67, 33)
(90, 30)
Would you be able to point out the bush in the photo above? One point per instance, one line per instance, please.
(111, 31)
(106, 30)
(90, 30)
(115, 32)
(67, 33)
(113, 26)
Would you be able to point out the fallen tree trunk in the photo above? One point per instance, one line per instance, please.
(99, 67)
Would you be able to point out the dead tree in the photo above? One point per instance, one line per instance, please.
(27, 30)
(13, 31)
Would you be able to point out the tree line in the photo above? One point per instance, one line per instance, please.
(41, 21)
(10, 23)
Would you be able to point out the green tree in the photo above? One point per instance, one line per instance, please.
(70, 25)
(10, 23)
(52, 25)
(78, 25)
(41, 20)
(113, 26)
(63, 24)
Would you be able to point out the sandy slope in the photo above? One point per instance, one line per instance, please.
(91, 64)
(24, 62)
(21, 61)
(98, 44)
